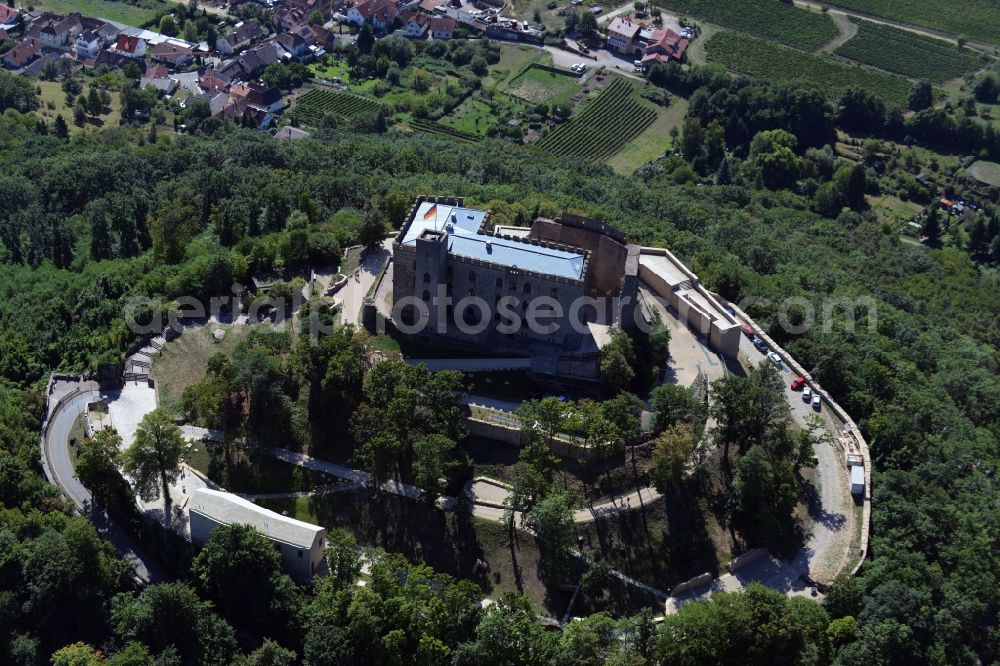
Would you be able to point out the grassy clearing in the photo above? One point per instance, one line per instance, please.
(979, 19)
(183, 361)
(986, 172)
(756, 57)
(540, 86)
(53, 103)
(909, 54)
(106, 9)
(654, 140)
(513, 59)
(769, 19)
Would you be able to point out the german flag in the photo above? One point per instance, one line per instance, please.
(431, 212)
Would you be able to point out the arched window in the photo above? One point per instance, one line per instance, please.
(554, 293)
(513, 283)
(527, 288)
(499, 282)
(472, 277)
(427, 277)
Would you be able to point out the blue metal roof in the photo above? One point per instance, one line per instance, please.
(466, 240)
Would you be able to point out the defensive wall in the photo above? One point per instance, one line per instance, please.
(671, 280)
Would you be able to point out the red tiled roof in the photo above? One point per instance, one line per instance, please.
(127, 43)
(439, 23)
(8, 14)
(24, 52)
(667, 42)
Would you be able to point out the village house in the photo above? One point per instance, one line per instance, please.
(623, 36)
(379, 13)
(295, 44)
(287, 17)
(22, 54)
(415, 25)
(55, 34)
(87, 45)
(213, 80)
(664, 46)
(172, 54)
(443, 27)
(130, 46)
(9, 17)
(158, 77)
(263, 97)
(241, 37)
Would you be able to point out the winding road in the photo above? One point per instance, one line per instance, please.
(59, 469)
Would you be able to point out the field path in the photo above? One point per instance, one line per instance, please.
(983, 47)
(847, 28)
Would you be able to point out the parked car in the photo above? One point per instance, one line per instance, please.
(773, 356)
(807, 394)
(747, 330)
(797, 383)
(760, 344)
(817, 402)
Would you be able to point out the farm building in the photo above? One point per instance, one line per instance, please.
(302, 545)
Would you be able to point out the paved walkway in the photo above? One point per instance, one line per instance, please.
(352, 295)
(68, 401)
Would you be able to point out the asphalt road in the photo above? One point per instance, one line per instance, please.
(55, 447)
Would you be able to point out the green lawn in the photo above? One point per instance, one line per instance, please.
(986, 172)
(183, 361)
(52, 94)
(513, 59)
(106, 9)
(539, 86)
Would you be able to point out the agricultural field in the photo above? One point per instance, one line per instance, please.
(756, 57)
(541, 86)
(652, 142)
(978, 19)
(313, 105)
(111, 10)
(602, 127)
(909, 54)
(433, 127)
(770, 19)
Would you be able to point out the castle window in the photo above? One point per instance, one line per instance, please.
(472, 292)
(513, 283)
(427, 277)
(472, 277)
(554, 293)
(527, 288)
(499, 282)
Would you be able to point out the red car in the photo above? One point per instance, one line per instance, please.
(747, 330)
(798, 383)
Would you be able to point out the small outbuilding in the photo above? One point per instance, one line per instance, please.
(302, 545)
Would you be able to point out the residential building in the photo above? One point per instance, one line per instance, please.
(130, 46)
(415, 25)
(443, 27)
(295, 44)
(242, 36)
(379, 13)
(9, 17)
(171, 53)
(287, 17)
(22, 54)
(258, 95)
(87, 45)
(302, 546)
(623, 36)
(158, 77)
(664, 46)
(447, 250)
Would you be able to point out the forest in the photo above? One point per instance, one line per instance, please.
(89, 224)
